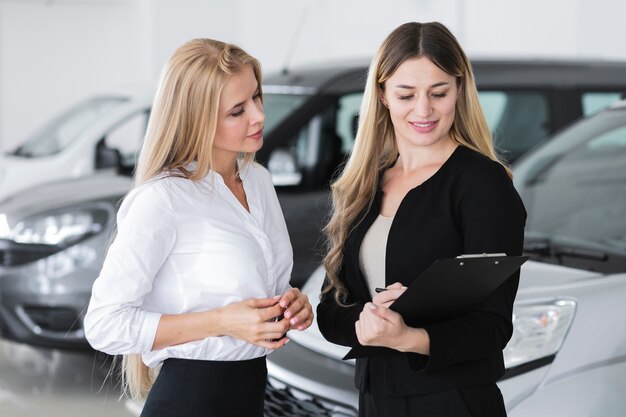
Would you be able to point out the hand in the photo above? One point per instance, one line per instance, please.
(253, 321)
(298, 309)
(386, 298)
(380, 326)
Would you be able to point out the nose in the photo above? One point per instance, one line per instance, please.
(257, 114)
(423, 108)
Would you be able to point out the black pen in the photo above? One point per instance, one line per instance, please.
(378, 289)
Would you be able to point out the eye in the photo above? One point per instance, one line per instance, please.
(237, 113)
(405, 97)
(439, 95)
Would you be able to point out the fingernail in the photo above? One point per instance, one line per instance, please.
(288, 314)
(371, 306)
(283, 304)
(300, 327)
(286, 341)
(404, 288)
(294, 320)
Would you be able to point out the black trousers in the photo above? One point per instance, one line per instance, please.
(195, 388)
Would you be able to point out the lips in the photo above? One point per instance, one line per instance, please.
(257, 135)
(423, 127)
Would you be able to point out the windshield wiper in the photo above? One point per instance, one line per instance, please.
(547, 248)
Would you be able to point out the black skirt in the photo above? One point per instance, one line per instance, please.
(472, 401)
(196, 388)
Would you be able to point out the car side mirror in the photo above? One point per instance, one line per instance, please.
(284, 168)
(107, 157)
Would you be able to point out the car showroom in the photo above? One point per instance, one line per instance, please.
(84, 95)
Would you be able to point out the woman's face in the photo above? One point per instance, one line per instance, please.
(241, 117)
(421, 99)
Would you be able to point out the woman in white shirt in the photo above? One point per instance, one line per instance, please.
(197, 278)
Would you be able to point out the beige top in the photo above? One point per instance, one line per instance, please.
(373, 251)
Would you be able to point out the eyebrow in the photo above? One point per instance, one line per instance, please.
(410, 87)
(243, 102)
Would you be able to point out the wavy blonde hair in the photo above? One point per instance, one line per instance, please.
(353, 191)
(182, 130)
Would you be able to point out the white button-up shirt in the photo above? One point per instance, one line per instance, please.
(187, 246)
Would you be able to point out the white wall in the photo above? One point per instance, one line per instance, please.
(54, 52)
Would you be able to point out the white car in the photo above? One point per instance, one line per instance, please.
(567, 356)
(91, 136)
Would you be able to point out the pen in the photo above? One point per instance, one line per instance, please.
(378, 289)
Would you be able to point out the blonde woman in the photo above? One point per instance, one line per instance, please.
(197, 278)
(422, 183)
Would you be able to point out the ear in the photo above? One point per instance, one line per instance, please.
(381, 96)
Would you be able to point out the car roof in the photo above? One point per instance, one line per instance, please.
(490, 73)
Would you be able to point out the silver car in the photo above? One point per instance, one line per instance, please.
(567, 355)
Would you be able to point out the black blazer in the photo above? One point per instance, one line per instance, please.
(468, 206)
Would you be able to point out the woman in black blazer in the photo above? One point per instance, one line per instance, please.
(423, 183)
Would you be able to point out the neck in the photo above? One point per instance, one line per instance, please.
(412, 158)
(225, 165)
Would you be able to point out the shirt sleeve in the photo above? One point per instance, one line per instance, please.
(335, 321)
(115, 322)
(493, 219)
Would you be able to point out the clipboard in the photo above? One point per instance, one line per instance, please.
(446, 289)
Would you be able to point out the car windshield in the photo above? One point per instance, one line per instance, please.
(63, 130)
(574, 188)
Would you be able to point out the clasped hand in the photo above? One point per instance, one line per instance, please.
(377, 324)
(264, 321)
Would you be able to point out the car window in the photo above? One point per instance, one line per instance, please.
(278, 106)
(518, 120)
(127, 136)
(575, 187)
(594, 102)
(63, 130)
(347, 119)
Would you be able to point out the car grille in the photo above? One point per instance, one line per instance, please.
(284, 401)
(57, 319)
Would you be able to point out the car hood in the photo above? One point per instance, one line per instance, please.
(18, 173)
(533, 275)
(64, 193)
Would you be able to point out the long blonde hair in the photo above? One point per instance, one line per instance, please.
(182, 130)
(353, 191)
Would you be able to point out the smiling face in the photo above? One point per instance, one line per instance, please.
(421, 99)
(240, 118)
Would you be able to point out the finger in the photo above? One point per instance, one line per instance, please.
(395, 286)
(303, 315)
(290, 295)
(267, 344)
(387, 296)
(270, 313)
(262, 302)
(306, 324)
(296, 306)
(272, 336)
(381, 312)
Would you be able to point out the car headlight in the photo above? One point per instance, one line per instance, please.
(539, 329)
(60, 228)
(44, 234)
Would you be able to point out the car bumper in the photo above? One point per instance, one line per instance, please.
(43, 302)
